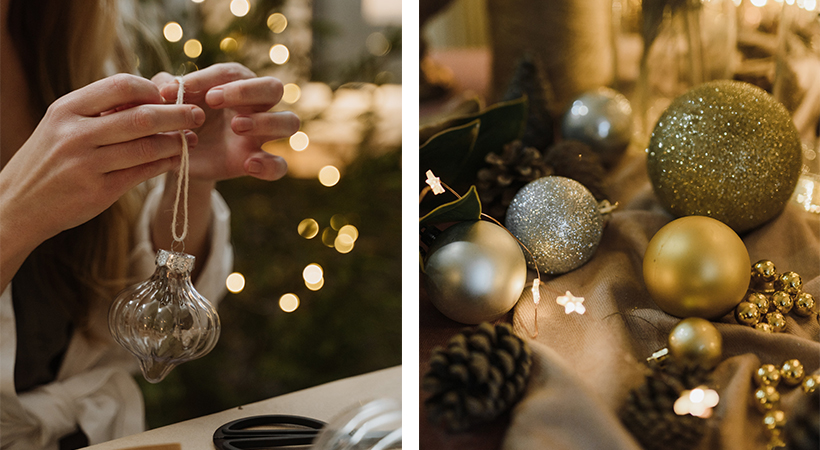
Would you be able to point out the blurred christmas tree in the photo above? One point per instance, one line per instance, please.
(348, 321)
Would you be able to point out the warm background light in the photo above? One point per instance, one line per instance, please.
(228, 45)
(299, 141)
(279, 54)
(277, 22)
(172, 31)
(377, 44)
(329, 176)
(192, 48)
(235, 282)
(308, 228)
(292, 93)
(315, 286)
(240, 8)
(289, 302)
(312, 273)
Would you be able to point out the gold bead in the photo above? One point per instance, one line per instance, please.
(759, 300)
(696, 342)
(766, 398)
(782, 301)
(792, 372)
(747, 314)
(804, 304)
(810, 383)
(774, 421)
(764, 327)
(764, 270)
(767, 375)
(776, 320)
(789, 282)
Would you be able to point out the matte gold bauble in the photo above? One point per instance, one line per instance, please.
(727, 150)
(696, 342)
(696, 267)
(474, 272)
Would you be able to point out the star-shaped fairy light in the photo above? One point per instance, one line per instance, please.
(434, 182)
(697, 402)
(571, 303)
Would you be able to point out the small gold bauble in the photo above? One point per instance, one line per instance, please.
(759, 300)
(789, 282)
(767, 375)
(696, 342)
(764, 271)
(811, 383)
(766, 398)
(727, 150)
(696, 267)
(776, 320)
(792, 372)
(747, 314)
(782, 301)
(764, 327)
(774, 421)
(804, 304)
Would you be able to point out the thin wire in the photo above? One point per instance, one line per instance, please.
(182, 180)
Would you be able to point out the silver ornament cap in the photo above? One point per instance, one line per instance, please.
(558, 220)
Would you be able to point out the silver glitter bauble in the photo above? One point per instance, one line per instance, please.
(474, 272)
(601, 119)
(558, 220)
(726, 150)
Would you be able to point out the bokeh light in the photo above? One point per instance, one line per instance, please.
(192, 48)
(289, 302)
(299, 141)
(377, 44)
(308, 228)
(228, 45)
(351, 231)
(279, 54)
(235, 282)
(292, 93)
(328, 237)
(315, 286)
(329, 176)
(337, 221)
(197, 1)
(344, 243)
(277, 22)
(172, 31)
(240, 8)
(312, 273)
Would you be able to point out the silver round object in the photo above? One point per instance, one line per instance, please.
(601, 119)
(558, 220)
(474, 272)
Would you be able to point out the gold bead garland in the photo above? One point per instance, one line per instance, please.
(766, 396)
(771, 296)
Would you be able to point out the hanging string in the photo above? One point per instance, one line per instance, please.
(182, 180)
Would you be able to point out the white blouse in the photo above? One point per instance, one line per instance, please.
(95, 388)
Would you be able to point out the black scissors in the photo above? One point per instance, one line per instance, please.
(272, 431)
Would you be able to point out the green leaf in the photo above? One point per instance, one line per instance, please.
(467, 207)
(446, 152)
(456, 162)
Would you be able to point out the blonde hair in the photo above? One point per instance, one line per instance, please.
(63, 46)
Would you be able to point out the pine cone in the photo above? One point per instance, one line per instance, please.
(576, 160)
(506, 174)
(649, 414)
(529, 79)
(482, 373)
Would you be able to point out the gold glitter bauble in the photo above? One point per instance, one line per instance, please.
(726, 150)
(696, 342)
(696, 267)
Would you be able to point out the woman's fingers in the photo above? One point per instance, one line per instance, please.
(246, 96)
(267, 126)
(144, 150)
(198, 83)
(124, 179)
(144, 120)
(109, 93)
(265, 166)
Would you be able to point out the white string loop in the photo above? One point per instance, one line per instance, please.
(182, 179)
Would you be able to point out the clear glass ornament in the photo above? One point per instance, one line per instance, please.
(164, 321)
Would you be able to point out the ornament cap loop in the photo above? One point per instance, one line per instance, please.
(176, 262)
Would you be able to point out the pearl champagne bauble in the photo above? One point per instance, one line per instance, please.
(696, 267)
(474, 272)
(696, 342)
(601, 119)
(558, 220)
(727, 150)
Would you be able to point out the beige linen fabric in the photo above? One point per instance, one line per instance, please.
(585, 365)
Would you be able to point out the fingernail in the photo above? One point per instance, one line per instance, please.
(255, 167)
(199, 115)
(241, 124)
(215, 97)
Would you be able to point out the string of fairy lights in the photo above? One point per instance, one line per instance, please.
(341, 235)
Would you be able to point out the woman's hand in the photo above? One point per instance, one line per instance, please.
(237, 105)
(92, 146)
